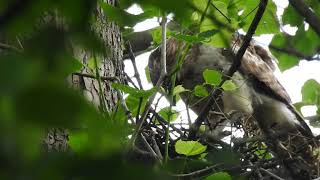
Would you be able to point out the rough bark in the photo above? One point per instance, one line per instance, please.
(111, 66)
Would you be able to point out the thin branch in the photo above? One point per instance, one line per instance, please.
(9, 47)
(228, 19)
(188, 114)
(159, 83)
(163, 61)
(205, 11)
(249, 13)
(236, 64)
(161, 120)
(133, 60)
(125, 107)
(130, 81)
(294, 52)
(137, 53)
(198, 173)
(150, 148)
(101, 94)
(305, 11)
(104, 78)
(271, 174)
(156, 147)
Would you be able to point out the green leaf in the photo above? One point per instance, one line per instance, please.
(285, 61)
(66, 108)
(291, 17)
(262, 153)
(212, 77)
(147, 71)
(189, 148)
(78, 141)
(311, 92)
(208, 33)
(306, 42)
(178, 89)
(166, 114)
(187, 38)
(133, 91)
(269, 23)
(219, 176)
(75, 65)
(220, 38)
(133, 104)
(203, 36)
(229, 86)
(200, 91)
(92, 63)
(122, 17)
(156, 36)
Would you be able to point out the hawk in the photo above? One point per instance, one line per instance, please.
(259, 95)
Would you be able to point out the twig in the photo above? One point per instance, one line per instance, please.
(101, 94)
(130, 80)
(236, 64)
(305, 11)
(161, 120)
(249, 13)
(149, 147)
(125, 107)
(9, 47)
(294, 52)
(19, 42)
(138, 53)
(188, 115)
(156, 147)
(248, 139)
(164, 47)
(139, 109)
(157, 103)
(228, 19)
(133, 60)
(205, 11)
(104, 78)
(198, 173)
(271, 174)
(159, 83)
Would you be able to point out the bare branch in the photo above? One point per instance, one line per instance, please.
(236, 64)
(294, 52)
(305, 11)
(271, 174)
(133, 60)
(150, 148)
(9, 47)
(159, 83)
(104, 78)
(198, 173)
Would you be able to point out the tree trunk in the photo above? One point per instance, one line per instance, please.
(111, 66)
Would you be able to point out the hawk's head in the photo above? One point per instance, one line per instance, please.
(254, 48)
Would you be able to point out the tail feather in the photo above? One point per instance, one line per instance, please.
(302, 126)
